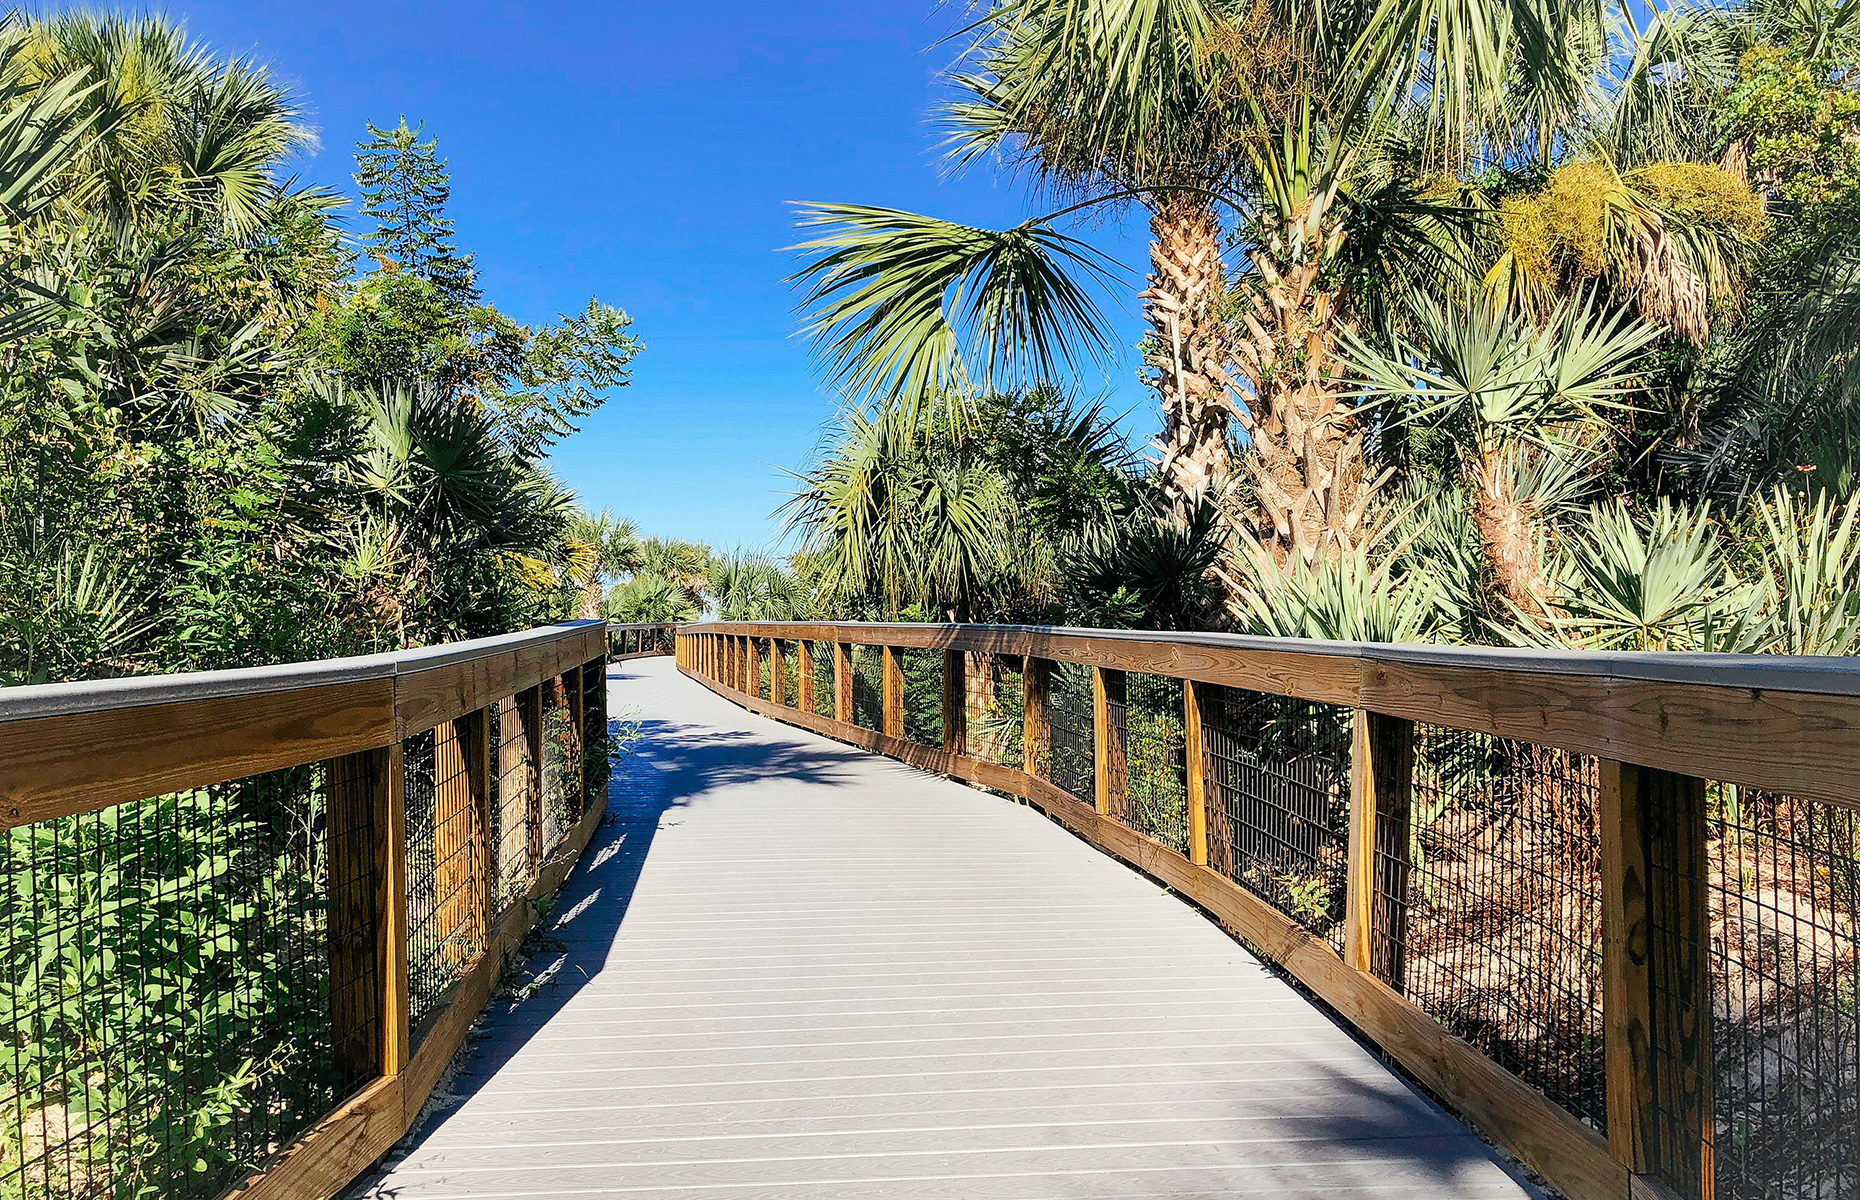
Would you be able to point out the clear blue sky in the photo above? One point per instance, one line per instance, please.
(644, 152)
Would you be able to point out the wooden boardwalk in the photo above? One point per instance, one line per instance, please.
(793, 969)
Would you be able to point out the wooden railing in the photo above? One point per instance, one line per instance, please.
(639, 640)
(1604, 905)
(247, 917)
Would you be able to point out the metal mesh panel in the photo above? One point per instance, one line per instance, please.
(1156, 760)
(759, 650)
(595, 769)
(1783, 905)
(868, 687)
(996, 729)
(165, 990)
(1069, 714)
(561, 763)
(791, 674)
(444, 911)
(823, 679)
(923, 695)
(1278, 777)
(1501, 938)
(517, 838)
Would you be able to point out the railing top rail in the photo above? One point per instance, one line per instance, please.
(1829, 676)
(642, 624)
(102, 695)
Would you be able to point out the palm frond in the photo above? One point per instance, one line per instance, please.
(915, 309)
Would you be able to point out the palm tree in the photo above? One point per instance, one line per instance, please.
(649, 598)
(455, 520)
(1336, 137)
(904, 516)
(599, 547)
(1514, 399)
(685, 565)
(180, 131)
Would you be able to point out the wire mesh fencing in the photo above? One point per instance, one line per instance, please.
(1156, 760)
(790, 674)
(165, 989)
(1781, 879)
(561, 783)
(1278, 776)
(823, 679)
(923, 695)
(516, 836)
(997, 709)
(868, 687)
(445, 919)
(1069, 716)
(1499, 936)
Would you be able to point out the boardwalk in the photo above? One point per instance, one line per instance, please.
(792, 969)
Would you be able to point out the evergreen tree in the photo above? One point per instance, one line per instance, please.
(405, 187)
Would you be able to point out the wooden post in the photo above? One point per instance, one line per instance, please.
(1656, 976)
(530, 712)
(391, 902)
(893, 723)
(804, 667)
(1376, 885)
(455, 884)
(778, 672)
(842, 683)
(1195, 750)
(477, 735)
(352, 806)
(955, 703)
(1036, 729)
(1109, 736)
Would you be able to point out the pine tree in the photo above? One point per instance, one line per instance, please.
(405, 187)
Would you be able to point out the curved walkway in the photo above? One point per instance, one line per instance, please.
(789, 968)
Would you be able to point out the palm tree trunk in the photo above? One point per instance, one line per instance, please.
(1187, 348)
(1506, 535)
(588, 607)
(1311, 484)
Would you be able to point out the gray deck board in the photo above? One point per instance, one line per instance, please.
(790, 968)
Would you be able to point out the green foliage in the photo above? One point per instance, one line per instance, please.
(156, 967)
(1028, 507)
(405, 188)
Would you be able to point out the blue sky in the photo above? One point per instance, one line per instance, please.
(646, 153)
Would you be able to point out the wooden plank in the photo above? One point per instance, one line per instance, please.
(391, 903)
(56, 766)
(455, 881)
(1036, 681)
(1627, 987)
(842, 683)
(1656, 976)
(530, 713)
(1195, 753)
(893, 690)
(1796, 744)
(355, 924)
(955, 702)
(1110, 736)
(1376, 893)
(477, 743)
(425, 699)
